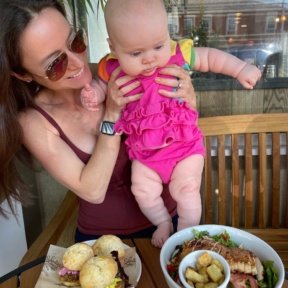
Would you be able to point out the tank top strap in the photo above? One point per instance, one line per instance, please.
(83, 156)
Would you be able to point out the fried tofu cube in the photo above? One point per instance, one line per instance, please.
(211, 285)
(205, 259)
(218, 263)
(194, 276)
(203, 271)
(199, 285)
(214, 273)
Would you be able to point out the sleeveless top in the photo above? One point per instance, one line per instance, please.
(119, 213)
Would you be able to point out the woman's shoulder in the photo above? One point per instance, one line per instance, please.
(32, 122)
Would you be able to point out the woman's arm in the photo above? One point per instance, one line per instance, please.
(88, 181)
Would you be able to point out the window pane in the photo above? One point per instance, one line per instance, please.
(255, 31)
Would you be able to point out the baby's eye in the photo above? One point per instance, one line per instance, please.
(158, 47)
(135, 54)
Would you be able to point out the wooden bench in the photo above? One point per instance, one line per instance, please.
(244, 182)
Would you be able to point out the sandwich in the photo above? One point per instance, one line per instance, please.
(73, 259)
(104, 245)
(103, 272)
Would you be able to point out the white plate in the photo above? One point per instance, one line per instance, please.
(137, 258)
(259, 247)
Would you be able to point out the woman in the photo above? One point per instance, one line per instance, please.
(43, 69)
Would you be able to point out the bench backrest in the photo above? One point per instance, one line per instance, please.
(245, 176)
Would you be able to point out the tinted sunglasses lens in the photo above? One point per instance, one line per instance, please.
(57, 68)
(79, 43)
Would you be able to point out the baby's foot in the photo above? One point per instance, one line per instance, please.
(162, 233)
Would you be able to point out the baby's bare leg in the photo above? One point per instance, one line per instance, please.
(185, 190)
(147, 188)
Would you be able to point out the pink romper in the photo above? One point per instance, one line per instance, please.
(161, 131)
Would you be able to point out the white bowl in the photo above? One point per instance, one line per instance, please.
(190, 261)
(260, 248)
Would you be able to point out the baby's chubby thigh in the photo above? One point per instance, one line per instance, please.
(146, 184)
(186, 179)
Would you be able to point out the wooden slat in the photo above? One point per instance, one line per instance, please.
(53, 230)
(262, 185)
(27, 275)
(146, 281)
(248, 182)
(148, 252)
(221, 180)
(277, 239)
(236, 124)
(286, 190)
(208, 183)
(276, 179)
(11, 283)
(235, 182)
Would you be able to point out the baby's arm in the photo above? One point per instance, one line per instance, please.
(93, 94)
(217, 61)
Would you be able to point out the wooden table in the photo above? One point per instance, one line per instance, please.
(151, 276)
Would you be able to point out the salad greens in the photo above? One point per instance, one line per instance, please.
(222, 238)
(270, 275)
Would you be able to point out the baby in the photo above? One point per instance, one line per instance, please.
(163, 139)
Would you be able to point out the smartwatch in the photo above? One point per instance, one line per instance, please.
(107, 128)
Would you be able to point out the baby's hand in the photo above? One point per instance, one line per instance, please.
(249, 76)
(91, 96)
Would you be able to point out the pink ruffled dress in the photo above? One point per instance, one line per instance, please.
(160, 131)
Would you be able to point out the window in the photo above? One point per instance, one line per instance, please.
(231, 24)
(207, 23)
(255, 31)
(189, 23)
(271, 21)
(173, 21)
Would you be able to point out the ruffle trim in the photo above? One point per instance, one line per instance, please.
(158, 125)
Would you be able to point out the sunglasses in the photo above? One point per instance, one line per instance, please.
(57, 68)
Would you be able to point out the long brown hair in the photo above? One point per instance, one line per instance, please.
(15, 95)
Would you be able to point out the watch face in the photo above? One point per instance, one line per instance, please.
(107, 128)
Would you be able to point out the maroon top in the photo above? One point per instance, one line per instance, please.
(119, 213)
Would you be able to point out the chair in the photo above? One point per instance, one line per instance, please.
(244, 182)
(245, 176)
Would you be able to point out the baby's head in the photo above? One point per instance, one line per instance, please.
(138, 35)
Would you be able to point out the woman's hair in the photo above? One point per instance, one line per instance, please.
(15, 95)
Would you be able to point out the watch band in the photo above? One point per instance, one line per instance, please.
(107, 128)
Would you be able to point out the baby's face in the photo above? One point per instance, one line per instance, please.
(142, 46)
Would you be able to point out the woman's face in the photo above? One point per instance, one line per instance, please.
(44, 39)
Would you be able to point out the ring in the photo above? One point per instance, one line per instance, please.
(179, 85)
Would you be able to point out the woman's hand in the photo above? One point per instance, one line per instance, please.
(116, 90)
(182, 84)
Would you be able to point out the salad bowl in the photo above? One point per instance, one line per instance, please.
(245, 240)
